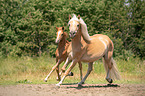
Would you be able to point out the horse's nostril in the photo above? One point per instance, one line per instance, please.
(73, 33)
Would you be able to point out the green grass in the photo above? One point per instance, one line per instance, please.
(33, 70)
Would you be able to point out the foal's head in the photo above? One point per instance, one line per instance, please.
(74, 25)
(59, 34)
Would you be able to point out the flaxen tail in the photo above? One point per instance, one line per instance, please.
(113, 73)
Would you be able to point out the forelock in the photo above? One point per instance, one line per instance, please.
(73, 18)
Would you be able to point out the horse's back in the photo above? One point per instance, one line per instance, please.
(97, 48)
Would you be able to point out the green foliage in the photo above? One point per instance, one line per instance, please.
(27, 27)
(52, 49)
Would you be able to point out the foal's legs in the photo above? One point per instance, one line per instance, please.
(57, 69)
(67, 71)
(88, 72)
(68, 60)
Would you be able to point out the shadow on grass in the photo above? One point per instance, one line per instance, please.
(90, 86)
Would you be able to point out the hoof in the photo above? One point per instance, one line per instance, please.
(109, 80)
(83, 82)
(71, 74)
(79, 85)
(45, 80)
(58, 79)
(63, 70)
(58, 85)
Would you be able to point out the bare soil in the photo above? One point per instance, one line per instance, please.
(73, 90)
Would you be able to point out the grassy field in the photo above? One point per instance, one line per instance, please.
(33, 70)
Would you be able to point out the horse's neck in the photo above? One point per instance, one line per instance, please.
(62, 46)
(78, 43)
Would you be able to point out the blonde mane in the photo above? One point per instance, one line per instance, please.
(84, 30)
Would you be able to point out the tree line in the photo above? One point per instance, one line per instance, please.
(27, 27)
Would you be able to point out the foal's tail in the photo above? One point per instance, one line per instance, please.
(113, 72)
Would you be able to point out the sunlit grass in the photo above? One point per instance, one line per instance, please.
(34, 70)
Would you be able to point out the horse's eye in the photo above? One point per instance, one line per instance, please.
(61, 34)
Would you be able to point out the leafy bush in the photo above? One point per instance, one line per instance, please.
(28, 26)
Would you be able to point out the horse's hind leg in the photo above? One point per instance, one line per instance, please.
(108, 66)
(108, 76)
(111, 69)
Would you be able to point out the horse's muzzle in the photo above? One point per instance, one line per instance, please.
(57, 41)
(72, 34)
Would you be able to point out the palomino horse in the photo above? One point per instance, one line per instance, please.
(87, 48)
(62, 53)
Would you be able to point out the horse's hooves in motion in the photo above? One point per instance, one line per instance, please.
(109, 80)
(79, 85)
(71, 74)
(45, 80)
(58, 79)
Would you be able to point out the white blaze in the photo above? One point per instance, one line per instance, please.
(58, 36)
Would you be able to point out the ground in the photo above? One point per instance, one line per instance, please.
(73, 90)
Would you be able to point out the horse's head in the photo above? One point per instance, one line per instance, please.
(74, 25)
(59, 34)
(77, 24)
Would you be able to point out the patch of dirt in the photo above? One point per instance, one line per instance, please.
(73, 90)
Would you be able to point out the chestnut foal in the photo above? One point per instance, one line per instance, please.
(62, 53)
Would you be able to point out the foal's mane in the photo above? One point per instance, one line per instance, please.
(84, 30)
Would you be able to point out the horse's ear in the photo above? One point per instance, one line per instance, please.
(78, 16)
(62, 27)
(56, 27)
(70, 17)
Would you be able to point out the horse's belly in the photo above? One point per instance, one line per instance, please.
(93, 53)
(86, 59)
(91, 57)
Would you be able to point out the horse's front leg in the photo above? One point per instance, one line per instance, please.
(53, 68)
(67, 71)
(80, 67)
(57, 70)
(68, 60)
(90, 64)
